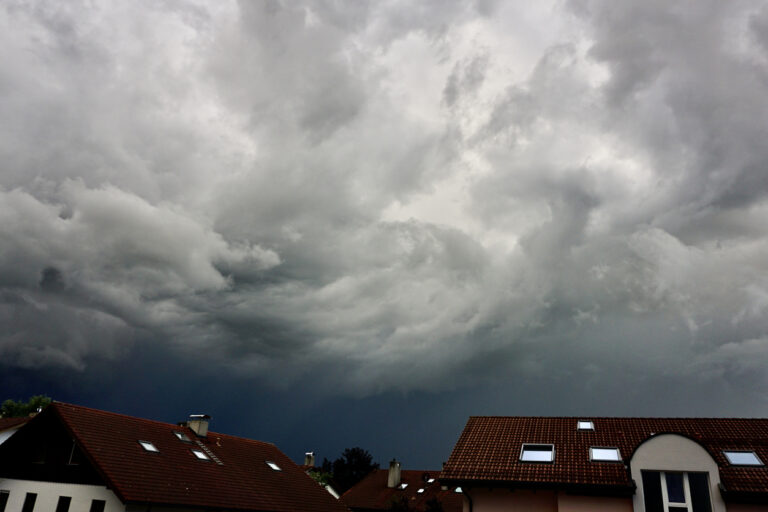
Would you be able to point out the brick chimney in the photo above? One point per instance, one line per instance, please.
(393, 478)
(198, 423)
(309, 459)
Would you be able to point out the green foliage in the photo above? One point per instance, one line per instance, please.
(13, 409)
(321, 477)
(353, 465)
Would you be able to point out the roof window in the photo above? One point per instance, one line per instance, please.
(200, 455)
(420, 491)
(537, 453)
(431, 481)
(181, 436)
(459, 489)
(149, 446)
(273, 465)
(742, 458)
(602, 454)
(585, 425)
(402, 486)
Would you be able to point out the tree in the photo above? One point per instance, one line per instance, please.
(353, 465)
(13, 409)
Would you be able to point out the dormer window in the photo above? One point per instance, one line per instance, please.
(537, 453)
(274, 466)
(200, 455)
(601, 454)
(742, 458)
(585, 425)
(149, 446)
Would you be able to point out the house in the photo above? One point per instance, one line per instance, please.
(9, 426)
(75, 458)
(383, 488)
(611, 464)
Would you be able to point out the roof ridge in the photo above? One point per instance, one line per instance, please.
(587, 417)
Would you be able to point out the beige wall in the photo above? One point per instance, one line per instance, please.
(503, 500)
(570, 503)
(671, 452)
(48, 495)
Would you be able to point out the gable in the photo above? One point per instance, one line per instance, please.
(44, 450)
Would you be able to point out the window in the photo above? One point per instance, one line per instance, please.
(75, 456)
(537, 453)
(63, 504)
(459, 490)
(273, 465)
(402, 486)
(585, 425)
(3, 500)
(149, 446)
(744, 458)
(420, 491)
(676, 491)
(181, 436)
(600, 454)
(200, 455)
(431, 481)
(98, 505)
(29, 502)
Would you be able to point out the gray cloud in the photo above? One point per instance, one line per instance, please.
(420, 196)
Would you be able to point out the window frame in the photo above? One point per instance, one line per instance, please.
(181, 436)
(688, 504)
(610, 461)
(200, 454)
(143, 444)
(273, 466)
(590, 428)
(530, 448)
(760, 463)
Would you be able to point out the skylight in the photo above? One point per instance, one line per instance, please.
(604, 454)
(420, 490)
(181, 436)
(537, 453)
(200, 455)
(585, 425)
(743, 458)
(273, 465)
(431, 481)
(149, 446)
(459, 489)
(402, 486)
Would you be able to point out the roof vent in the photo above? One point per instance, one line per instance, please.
(393, 478)
(309, 459)
(198, 423)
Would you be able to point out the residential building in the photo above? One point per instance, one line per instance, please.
(416, 489)
(9, 426)
(611, 464)
(75, 458)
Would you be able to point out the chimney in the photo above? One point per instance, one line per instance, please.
(199, 424)
(393, 479)
(309, 459)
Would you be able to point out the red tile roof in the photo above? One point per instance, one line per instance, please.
(372, 493)
(6, 423)
(489, 449)
(243, 480)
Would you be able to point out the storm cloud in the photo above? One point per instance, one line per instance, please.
(409, 196)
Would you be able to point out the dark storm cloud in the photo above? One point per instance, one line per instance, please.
(400, 196)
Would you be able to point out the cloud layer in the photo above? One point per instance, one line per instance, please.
(407, 196)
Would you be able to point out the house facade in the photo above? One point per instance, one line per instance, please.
(611, 464)
(73, 458)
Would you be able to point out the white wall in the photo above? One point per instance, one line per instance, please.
(5, 434)
(48, 495)
(671, 452)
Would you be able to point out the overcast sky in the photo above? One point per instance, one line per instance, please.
(351, 222)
